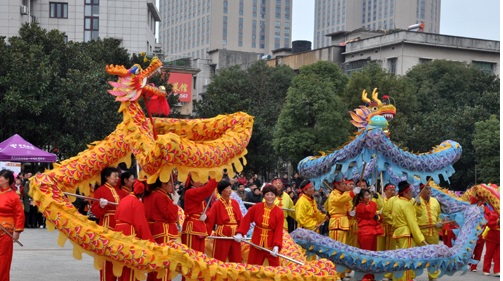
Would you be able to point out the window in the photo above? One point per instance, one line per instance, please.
(224, 31)
(424, 60)
(240, 34)
(486, 67)
(91, 20)
(392, 62)
(58, 10)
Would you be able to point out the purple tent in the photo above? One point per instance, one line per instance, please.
(16, 149)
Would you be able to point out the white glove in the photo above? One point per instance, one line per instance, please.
(275, 251)
(352, 213)
(238, 237)
(357, 190)
(203, 217)
(418, 200)
(372, 188)
(439, 225)
(103, 202)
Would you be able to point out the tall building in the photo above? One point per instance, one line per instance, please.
(192, 28)
(131, 21)
(347, 15)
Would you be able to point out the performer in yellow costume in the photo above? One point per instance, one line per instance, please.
(283, 201)
(388, 242)
(306, 210)
(407, 232)
(428, 219)
(338, 205)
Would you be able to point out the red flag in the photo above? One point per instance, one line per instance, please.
(157, 105)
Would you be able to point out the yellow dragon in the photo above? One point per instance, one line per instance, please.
(203, 147)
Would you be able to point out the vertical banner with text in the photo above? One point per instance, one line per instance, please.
(182, 85)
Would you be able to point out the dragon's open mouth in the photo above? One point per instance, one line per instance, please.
(388, 117)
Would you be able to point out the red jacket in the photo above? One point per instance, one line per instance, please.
(107, 214)
(268, 231)
(493, 222)
(162, 214)
(226, 215)
(365, 215)
(130, 218)
(194, 205)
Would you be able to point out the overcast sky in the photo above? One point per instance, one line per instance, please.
(466, 18)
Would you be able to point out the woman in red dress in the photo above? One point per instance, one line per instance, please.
(108, 192)
(12, 219)
(268, 231)
(226, 216)
(369, 226)
(162, 216)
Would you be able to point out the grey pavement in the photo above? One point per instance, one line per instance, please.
(42, 259)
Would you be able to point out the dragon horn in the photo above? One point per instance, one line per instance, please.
(364, 97)
(374, 97)
(118, 70)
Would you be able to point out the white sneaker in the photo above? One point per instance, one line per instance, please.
(497, 274)
(487, 273)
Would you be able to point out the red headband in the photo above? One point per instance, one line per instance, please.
(390, 186)
(307, 186)
(275, 180)
(403, 191)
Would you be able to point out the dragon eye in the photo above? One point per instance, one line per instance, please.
(374, 108)
(137, 71)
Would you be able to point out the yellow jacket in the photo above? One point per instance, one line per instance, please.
(428, 214)
(387, 220)
(379, 202)
(404, 220)
(339, 203)
(307, 213)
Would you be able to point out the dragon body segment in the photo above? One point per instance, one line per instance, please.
(431, 257)
(203, 147)
(373, 154)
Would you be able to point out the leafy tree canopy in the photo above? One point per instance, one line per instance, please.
(260, 91)
(313, 117)
(444, 101)
(486, 142)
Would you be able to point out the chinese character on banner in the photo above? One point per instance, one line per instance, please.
(182, 85)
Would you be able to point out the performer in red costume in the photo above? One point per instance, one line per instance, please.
(108, 192)
(268, 231)
(492, 239)
(130, 220)
(226, 215)
(194, 229)
(11, 218)
(162, 216)
(368, 224)
(479, 245)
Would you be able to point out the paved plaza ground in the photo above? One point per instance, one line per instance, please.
(41, 259)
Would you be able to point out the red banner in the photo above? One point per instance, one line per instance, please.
(182, 85)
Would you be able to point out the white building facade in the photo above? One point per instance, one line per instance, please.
(347, 15)
(192, 28)
(131, 21)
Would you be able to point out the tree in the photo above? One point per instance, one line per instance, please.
(54, 93)
(312, 118)
(260, 91)
(446, 100)
(486, 142)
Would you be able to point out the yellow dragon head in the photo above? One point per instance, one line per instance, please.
(361, 116)
(132, 82)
